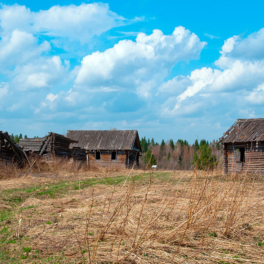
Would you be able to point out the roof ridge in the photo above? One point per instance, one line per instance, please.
(249, 120)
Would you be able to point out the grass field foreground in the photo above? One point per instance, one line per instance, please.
(138, 217)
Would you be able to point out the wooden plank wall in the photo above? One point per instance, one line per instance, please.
(106, 161)
(254, 158)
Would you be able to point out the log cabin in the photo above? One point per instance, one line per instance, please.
(243, 145)
(51, 145)
(107, 148)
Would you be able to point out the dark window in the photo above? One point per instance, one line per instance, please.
(97, 155)
(113, 155)
(242, 154)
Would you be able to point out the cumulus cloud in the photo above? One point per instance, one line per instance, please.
(240, 79)
(256, 97)
(78, 23)
(250, 48)
(20, 48)
(40, 74)
(141, 65)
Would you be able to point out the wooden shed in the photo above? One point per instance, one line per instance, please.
(52, 144)
(10, 151)
(243, 145)
(108, 148)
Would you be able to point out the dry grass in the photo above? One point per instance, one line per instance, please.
(146, 217)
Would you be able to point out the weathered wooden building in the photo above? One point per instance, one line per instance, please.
(108, 148)
(52, 144)
(243, 146)
(10, 151)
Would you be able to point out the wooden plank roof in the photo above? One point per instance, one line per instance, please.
(35, 144)
(105, 139)
(244, 130)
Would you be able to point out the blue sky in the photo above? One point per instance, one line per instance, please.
(170, 69)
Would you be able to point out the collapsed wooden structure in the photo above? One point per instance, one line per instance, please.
(10, 151)
(108, 148)
(243, 145)
(52, 144)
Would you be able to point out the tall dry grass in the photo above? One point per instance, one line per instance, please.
(148, 218)
(135, 220)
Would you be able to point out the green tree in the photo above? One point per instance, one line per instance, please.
(162, 151)
(203, 142)
(196, 145)
(205, 160)
(16, 138)
(144, 144)
(168, 157)
(172, 144)
(183, 142)
(149, 158)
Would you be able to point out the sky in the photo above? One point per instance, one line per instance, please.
(170, 69)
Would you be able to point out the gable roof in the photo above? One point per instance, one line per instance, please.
(105, 139)
(245, 130)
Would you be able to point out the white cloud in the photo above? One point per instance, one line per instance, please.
(250, 48)
(51, 97)
(42, 73)
(240, 80)
(3, 90)
(175, 86)
(229, 45)
(256, 97)
(141, 65)
(211, 36)
(79, 23)
(20, 48)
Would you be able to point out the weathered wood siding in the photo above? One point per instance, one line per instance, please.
(254, 158)
(106, 161)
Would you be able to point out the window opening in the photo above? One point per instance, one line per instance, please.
(97, 155)
(242, 154)
(113, 155)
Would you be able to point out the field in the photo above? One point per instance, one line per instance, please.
(132, 217)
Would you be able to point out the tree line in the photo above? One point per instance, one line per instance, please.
(180, 154)
(16, 138)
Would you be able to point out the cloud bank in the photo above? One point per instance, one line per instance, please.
(128, 85)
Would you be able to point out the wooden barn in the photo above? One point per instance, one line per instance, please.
(243, 145)
(107, 148)
(52, 144)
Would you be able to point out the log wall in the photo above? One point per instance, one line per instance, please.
(106, 161)
(253, 162)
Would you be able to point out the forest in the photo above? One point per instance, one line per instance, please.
(181, 155)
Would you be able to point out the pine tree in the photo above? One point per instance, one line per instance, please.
(149, 158)
(196, 145)
(162, 151)
(144, 144)
(168, 157)
(206, 160)
(172, 144)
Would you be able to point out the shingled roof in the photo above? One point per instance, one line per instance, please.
(245, 130)
(105, 139)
